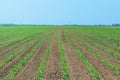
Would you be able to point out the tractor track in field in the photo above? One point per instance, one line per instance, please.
(6, 48)
(54, 67)
(77, 69)
(105, 72)
(14, 50)
(5, 70)
(34, 63)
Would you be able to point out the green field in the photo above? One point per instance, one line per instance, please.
(59, 53)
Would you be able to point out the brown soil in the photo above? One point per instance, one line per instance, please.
(5, 70)
(106, 56)
(107, 48)
(77, 69)
(54, 67)
(9, 45)
(11, 52)
(6, 40)
(103, 54)
(33, 64)
(6, 49)
(10, 38)
(15, 49)
(105, 72)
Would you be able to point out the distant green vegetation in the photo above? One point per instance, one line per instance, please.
(18, 44)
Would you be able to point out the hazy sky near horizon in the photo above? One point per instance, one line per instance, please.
(59, 11)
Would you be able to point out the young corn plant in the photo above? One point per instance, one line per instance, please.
(92, 70)
(63, 60)
(99, 47)
(44, 62)
(12, 56)
(16, 68)
(107, 62)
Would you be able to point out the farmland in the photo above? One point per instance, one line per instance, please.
(59, 53)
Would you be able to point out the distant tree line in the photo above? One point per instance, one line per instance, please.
(115, 24)
(57, 25)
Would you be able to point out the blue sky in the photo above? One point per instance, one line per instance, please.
(60, 11)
